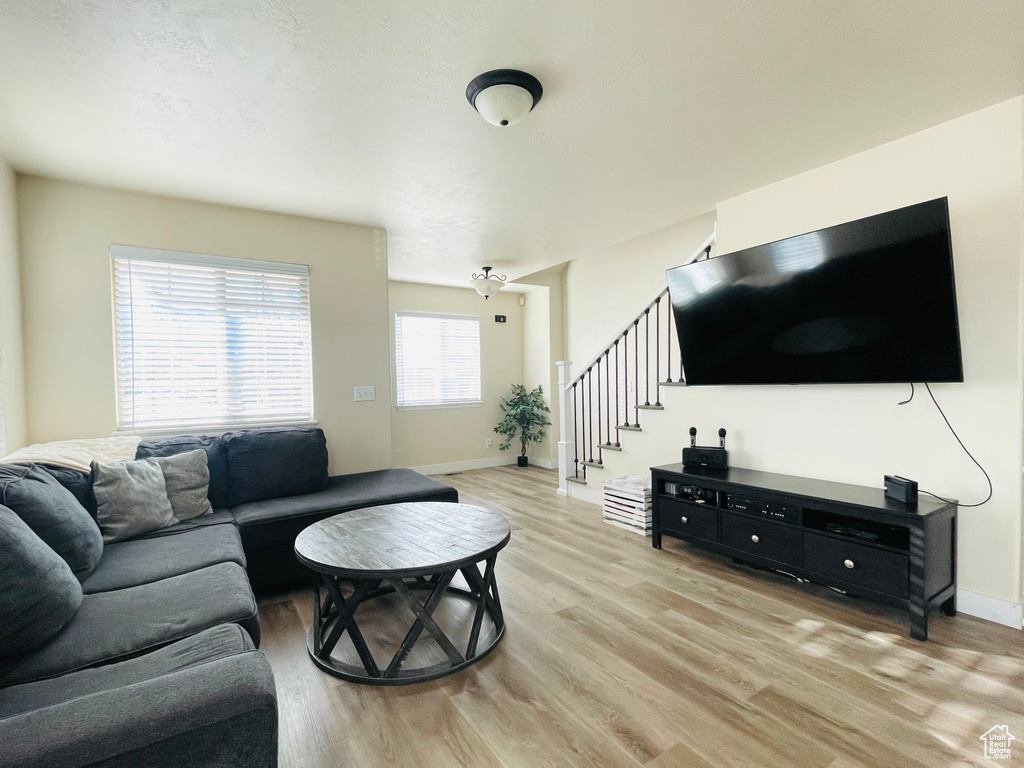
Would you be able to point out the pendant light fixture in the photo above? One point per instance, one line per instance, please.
(487, 284)
(504, 96)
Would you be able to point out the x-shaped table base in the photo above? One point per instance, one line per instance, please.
(335, 614)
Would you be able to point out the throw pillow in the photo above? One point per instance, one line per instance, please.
(216, 460)
(40, 593)
(131, 498)
(187, 478)
(54, 514)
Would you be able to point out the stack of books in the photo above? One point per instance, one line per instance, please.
(627, 503)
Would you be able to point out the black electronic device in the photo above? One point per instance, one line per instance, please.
(901, 489)
(706, 456)
(751, 505)
(696, 494)
(872, 300)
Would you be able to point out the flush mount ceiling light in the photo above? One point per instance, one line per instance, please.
(504, 96)
(487, 284)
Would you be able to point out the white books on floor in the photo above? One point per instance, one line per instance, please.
(627, 503)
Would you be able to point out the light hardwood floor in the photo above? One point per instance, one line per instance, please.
(619, 655)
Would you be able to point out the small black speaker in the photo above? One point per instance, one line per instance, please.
(901, 489)
(710, 458)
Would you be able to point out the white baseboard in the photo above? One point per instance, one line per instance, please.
(990, 608)
(462, 466)
(497, 461)
(582, 493)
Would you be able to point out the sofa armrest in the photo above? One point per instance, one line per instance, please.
(217, 714)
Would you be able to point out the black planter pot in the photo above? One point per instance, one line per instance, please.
(522, 461)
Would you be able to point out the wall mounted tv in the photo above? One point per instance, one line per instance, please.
(868, 301)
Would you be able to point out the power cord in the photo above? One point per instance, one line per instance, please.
(969, 454)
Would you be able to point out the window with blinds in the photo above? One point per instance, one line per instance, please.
(206, 342)
(437, 359)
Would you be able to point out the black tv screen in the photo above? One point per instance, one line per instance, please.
(867, 301)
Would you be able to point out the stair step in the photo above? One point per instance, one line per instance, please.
(630, 428)
(579, 480)
(609, 447)
(649, 407)
(671, 383)
(596, 464)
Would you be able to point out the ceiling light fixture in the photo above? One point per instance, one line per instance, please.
(504, 96)
(487, 284)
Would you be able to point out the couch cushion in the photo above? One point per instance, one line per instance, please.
(219, 517)
(209, 645)
(141, 561)
(266, 524)
(216, 460)
(115, 625)
(131, 498)
(274, 462)
(38, 592)
(52, 511)
(76, 481)
(188, 480)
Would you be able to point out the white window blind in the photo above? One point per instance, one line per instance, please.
(437, 359)
(209, 342)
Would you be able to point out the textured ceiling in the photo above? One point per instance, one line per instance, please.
(652, 112)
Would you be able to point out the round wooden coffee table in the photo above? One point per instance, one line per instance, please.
(391, 553)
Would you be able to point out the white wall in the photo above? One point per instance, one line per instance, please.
(12, 374)
(543, 346)
(858, 433)
(65, 232)
(447, 439)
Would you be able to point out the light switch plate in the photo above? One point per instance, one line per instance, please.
(365, 393)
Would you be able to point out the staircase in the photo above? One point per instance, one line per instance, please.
(608, 396)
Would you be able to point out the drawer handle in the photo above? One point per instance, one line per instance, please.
(848, 563)
(685, 520)
(755, 538)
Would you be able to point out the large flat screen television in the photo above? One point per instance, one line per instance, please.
(867, 301)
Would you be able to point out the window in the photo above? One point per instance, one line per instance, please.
(437, 359)
(207, 342)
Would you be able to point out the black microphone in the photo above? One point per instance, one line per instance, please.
(693, 437)
(721, 438)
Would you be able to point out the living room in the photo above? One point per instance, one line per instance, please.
(340, 139)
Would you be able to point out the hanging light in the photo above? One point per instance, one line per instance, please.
(487, 284)
(504, 96)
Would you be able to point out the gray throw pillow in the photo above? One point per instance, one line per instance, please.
(54, 514)
(187, 477)
(40, 594)
(131, 498)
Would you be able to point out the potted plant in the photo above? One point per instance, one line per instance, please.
(523, 419)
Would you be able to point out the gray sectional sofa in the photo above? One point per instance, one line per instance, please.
(158, 663)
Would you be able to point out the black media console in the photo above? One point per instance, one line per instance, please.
(849, 537)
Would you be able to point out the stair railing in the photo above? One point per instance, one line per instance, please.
(588, 414)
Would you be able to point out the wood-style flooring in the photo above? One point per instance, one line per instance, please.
(619, 655)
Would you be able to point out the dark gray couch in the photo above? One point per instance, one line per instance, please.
(158, 666)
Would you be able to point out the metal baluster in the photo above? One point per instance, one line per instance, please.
(607, 396)
(657, 351)
(617, 422)
(625, 377)
(636, 370)
(600, 456)
(668, 340)
(590, 414)
(583, 425)
(575, 435)
(647, 356)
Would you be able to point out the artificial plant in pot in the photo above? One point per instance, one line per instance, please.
(523, 419)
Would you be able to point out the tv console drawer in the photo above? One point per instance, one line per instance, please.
(865, 566)
(759, 537)
(697, 520)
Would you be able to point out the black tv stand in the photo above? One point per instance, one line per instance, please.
(848, 537)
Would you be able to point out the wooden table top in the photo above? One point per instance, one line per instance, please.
(414, 538)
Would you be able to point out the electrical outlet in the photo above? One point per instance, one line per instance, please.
(489, 442)
(365, 393)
